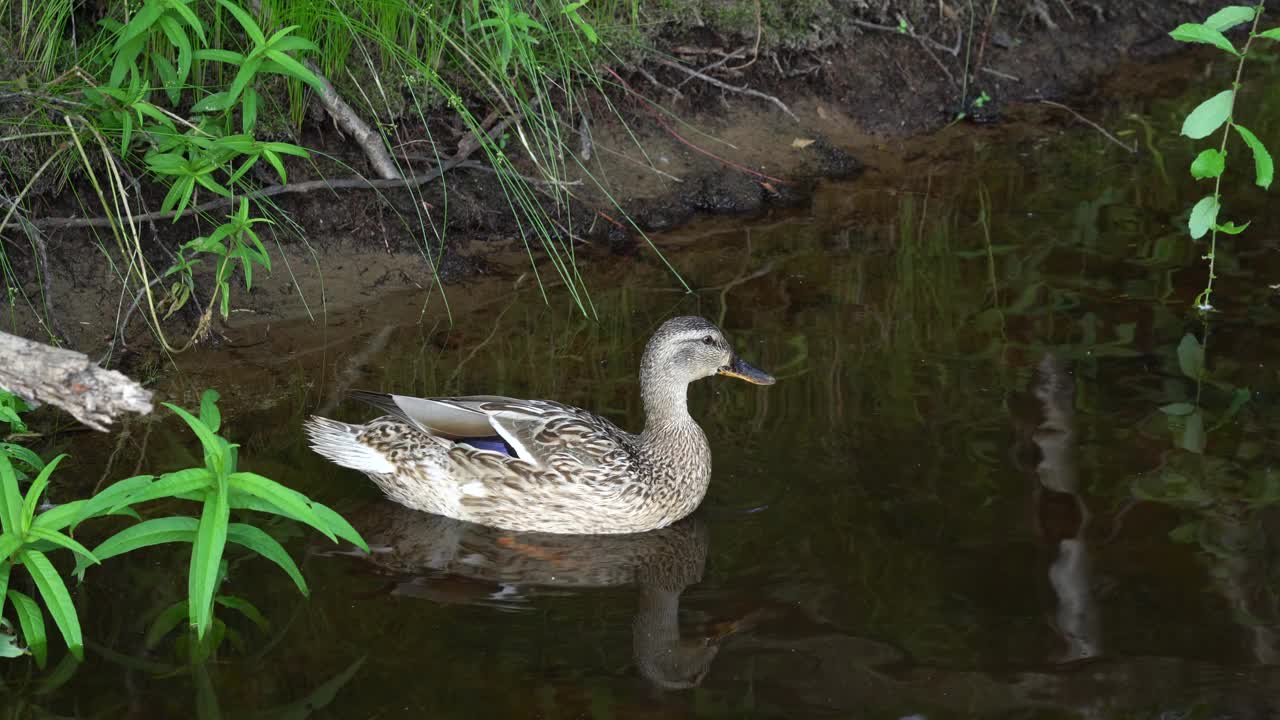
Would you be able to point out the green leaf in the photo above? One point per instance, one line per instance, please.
(1192, 438)
(57, 538)
(247, 22)
(1209, 115)
(140, 24)
(245, 608)
(36, 490)
(1179, 408)
(210, 441)
(260, 542)
(213, 103)
(275, 163)
(23, 455)
(1208, 164)
(178, 38)
(339, 525)
(32, 622)
(293, 503)
(1272, 34)
(1231, 228)
(1263, 167)
(1229, 17)
(209, 414)
(73, 513)
(222, 56)
(206, 557)
(168, 80)
(1203, 216)
(156, 531)
(56, 599)
(1190, 356)
(9, 544)
(5, 568)
(10, 498)
(168, 485)
(243, 77)
(1197, 33)
(249, 110)
(166, 621)
(295, 69)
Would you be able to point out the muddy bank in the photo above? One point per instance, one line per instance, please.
(859, 98)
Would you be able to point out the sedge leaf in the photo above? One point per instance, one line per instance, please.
(31, 620)
(206, 558)
(56, 599)
(260, 542)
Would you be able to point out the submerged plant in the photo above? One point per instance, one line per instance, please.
(1219, 112)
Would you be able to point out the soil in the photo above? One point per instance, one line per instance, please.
(867, 101)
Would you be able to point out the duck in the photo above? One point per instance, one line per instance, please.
(540, 465)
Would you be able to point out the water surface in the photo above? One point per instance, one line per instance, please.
(985, 485)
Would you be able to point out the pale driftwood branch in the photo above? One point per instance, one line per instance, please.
(369, 140)
(726, 86)
(69, 380)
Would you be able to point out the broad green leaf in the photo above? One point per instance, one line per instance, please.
(5, 568)
(285, 148)
(1208, 115)
(140, 24)
(1197, 33)
(246, 21)
(243, 77)
(73, 513)
(1263, 167)
(156, 531)
(339, 525)
(56, 599)
(1179, 408)
(206, 556)
(249, 110)
(1272, 34)
(63, 541)
(245, 608)
(275, 163)
(165, 622)
(36, 490)
(212, 103)
(178, 39)
(1229, 17)
(1208, 164)
(1231, 228)
(10, 498)
(32, 622)
(168, 77)
(293, 503)
(170, 485)
(293, 44)
(1190, 356)
(1203, 216)
(209, 414)
(1192, 437)
(9, 544)
(189, 16)
(260, 542)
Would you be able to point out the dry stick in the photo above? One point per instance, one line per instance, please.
(909, 32)
(1132, 149)
(666, 126)
(271, 191)
(675, 94)
(726, 86)
(982, 44)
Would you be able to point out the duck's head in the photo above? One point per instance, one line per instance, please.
(689, 348)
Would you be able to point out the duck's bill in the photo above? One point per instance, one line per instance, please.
(743, 371)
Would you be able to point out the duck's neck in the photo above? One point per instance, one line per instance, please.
(666, 405)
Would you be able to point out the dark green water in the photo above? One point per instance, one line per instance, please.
(961, 499)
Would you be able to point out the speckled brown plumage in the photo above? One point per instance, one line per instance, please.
(572, 471)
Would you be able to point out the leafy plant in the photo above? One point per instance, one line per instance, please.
(231, 241)
(1219, 112)
(11, 408)
(219, 487)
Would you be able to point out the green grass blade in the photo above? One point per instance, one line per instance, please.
(206, 557)
(23, 455)
(157, 531)
(54, 593)
(57, 538)
(36, 490)
(339, 525)
(260, 542)
(32, 622)
(10, 497)
(207, 438)
(293, 503)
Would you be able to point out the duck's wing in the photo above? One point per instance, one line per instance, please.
(546, 434)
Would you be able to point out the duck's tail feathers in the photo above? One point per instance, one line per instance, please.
(340, 443)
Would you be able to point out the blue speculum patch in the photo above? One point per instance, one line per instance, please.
(494, 443)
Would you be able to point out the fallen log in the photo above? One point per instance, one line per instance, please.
(70, 380)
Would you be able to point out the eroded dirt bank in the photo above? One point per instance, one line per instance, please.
(866, 99)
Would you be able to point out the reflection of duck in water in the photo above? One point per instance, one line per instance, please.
(418, 547)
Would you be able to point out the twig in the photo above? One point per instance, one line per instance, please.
(1003, 75)
(1132, 149)
(908, 32)
(726, 86)
(269, 191)
(675, 94)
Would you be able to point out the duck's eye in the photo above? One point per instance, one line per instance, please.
(708, 340)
